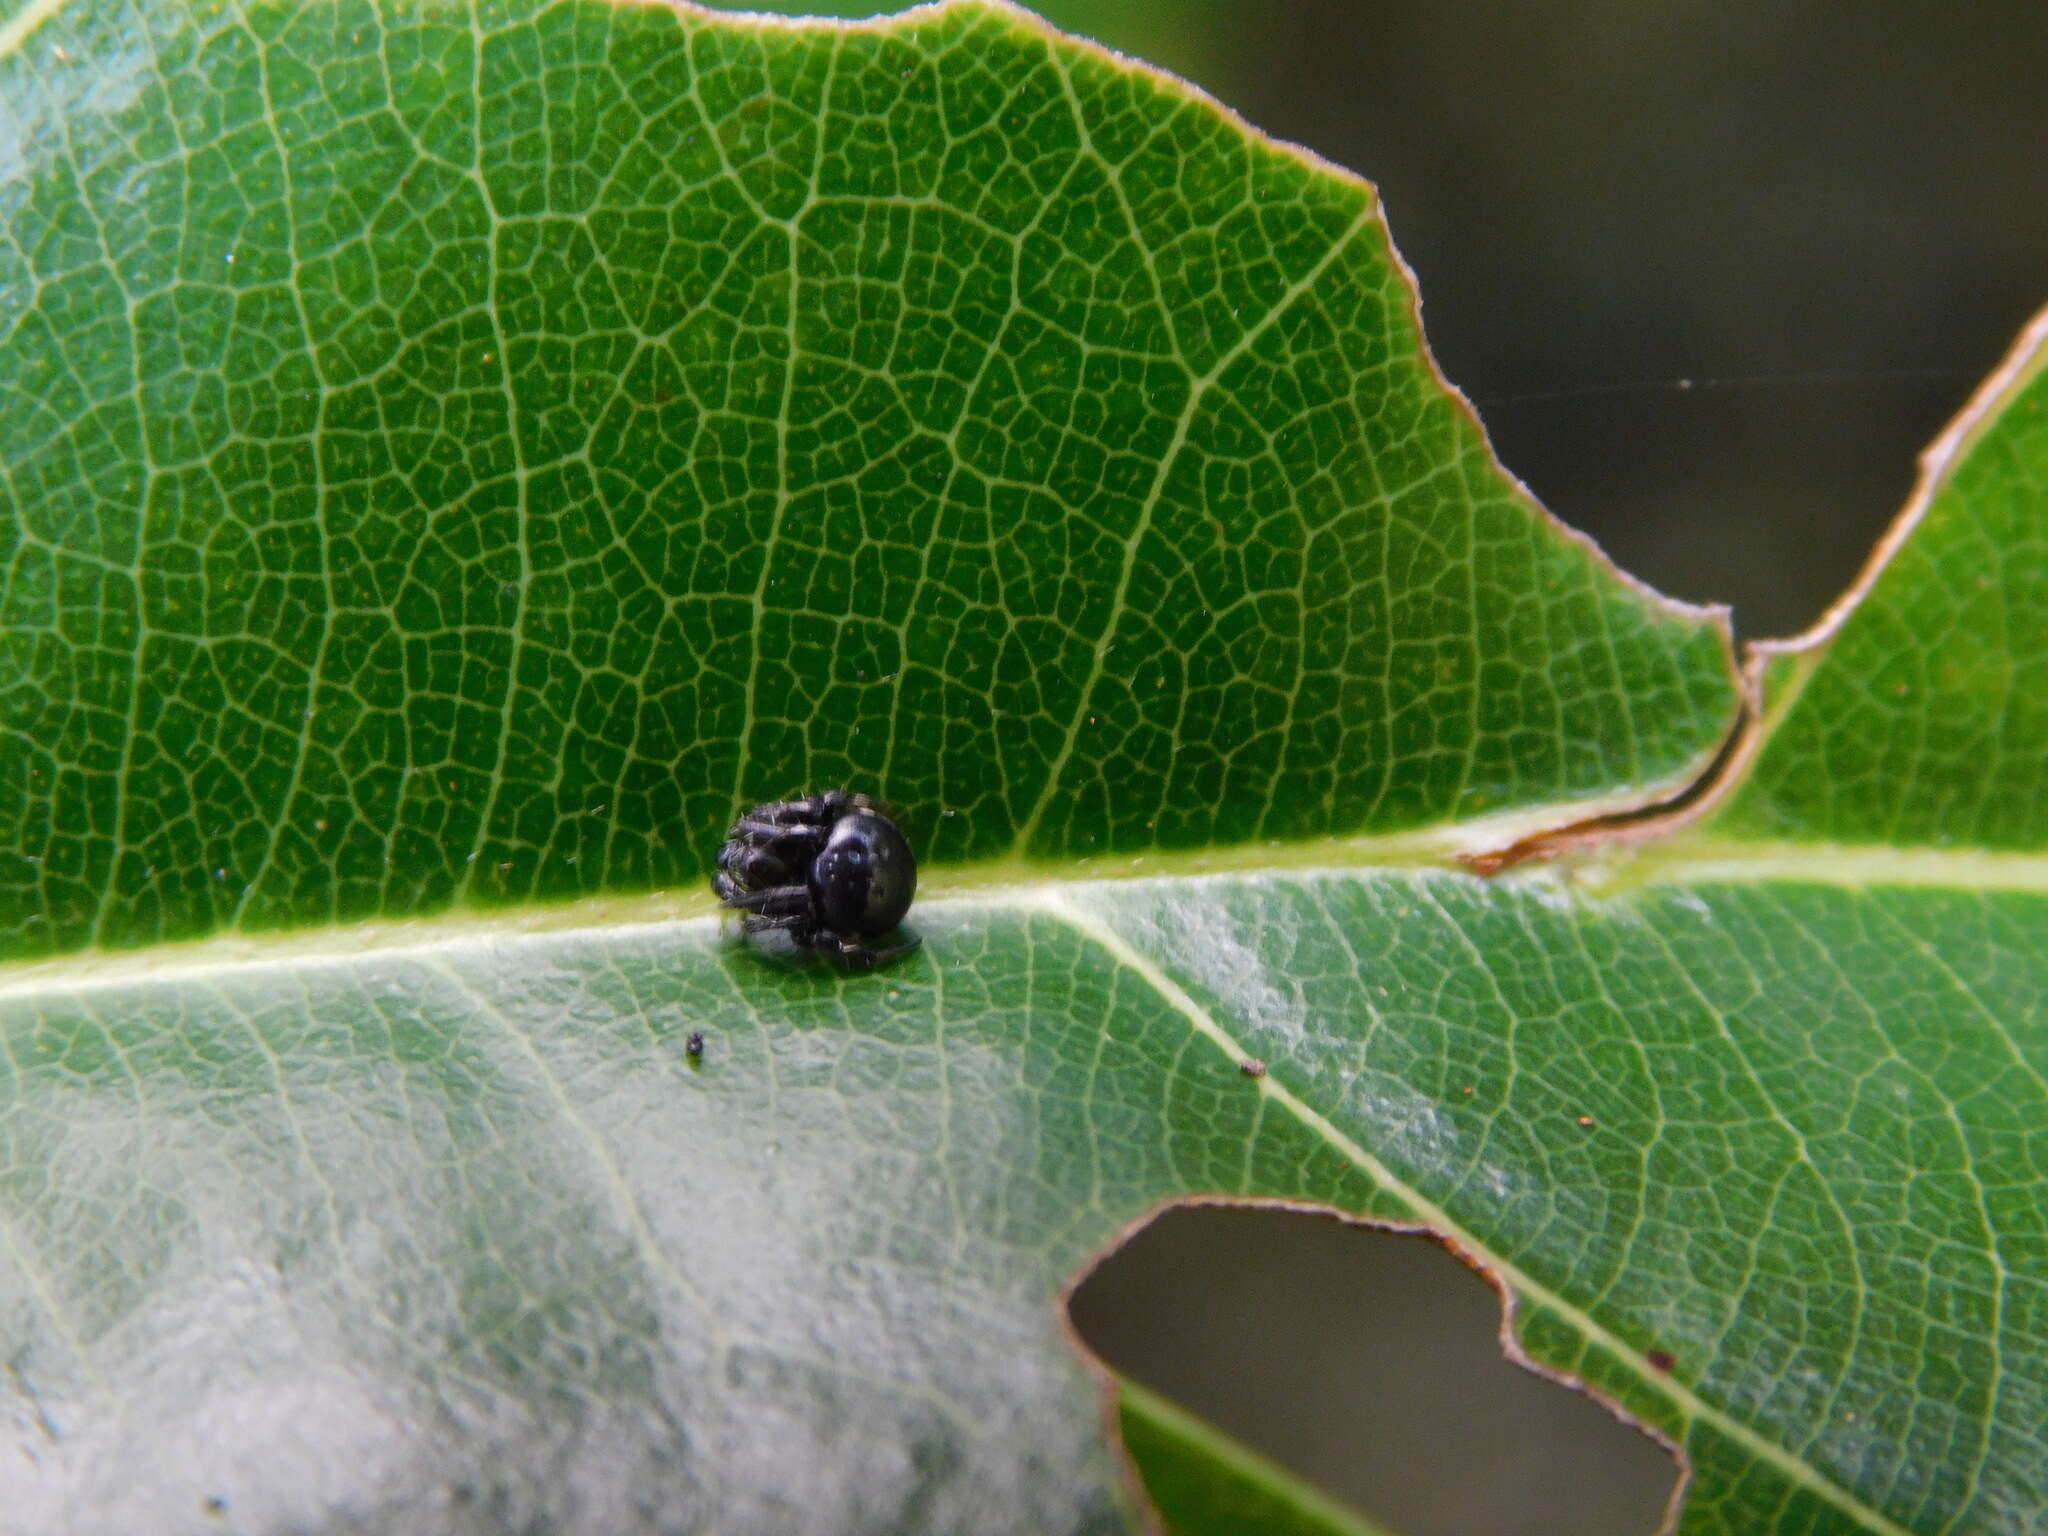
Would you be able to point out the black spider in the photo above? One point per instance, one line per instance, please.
(832, 871)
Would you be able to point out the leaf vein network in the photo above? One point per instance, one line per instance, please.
(1169, 461)
(1688, 1404)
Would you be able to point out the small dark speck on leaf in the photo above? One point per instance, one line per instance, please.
(1251, 1066)
(216, 1505)
(694, 1047)
(1662, 1359)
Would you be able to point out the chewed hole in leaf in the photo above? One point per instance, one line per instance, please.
(1369, 1363)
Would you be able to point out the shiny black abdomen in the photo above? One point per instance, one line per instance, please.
(864, 878)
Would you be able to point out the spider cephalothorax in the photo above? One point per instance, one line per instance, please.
(832, 871)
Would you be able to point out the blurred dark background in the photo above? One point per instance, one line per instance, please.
(1372, 1363)
(1831, 220)
(1714, 272)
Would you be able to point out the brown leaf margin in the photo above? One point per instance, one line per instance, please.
(1510, 1343)
(2027, 355)
(1528, 824)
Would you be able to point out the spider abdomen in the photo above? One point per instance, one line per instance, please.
(865, 876)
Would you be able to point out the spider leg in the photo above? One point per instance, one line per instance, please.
(729, 890)
(776, 901)
(775, 831)
(858, 951)
(785, 815)
(797, 925)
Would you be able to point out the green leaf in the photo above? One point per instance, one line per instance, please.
(1199, 1480)
(460, 459)
(1894, 774)
(1917, 711)
(611, 414)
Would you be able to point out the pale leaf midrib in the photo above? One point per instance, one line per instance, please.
(17, 28)
(1596, 878)
(1707, 860)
